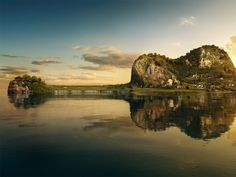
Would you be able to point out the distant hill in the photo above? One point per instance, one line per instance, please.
(207, 67)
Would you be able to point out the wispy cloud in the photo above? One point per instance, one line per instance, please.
(188, 21)
(12, 70)
(82, 76)
(90, 48)
(46, 61)
(90, 67)
(82, 48)
(11, 56)
(88, 78)
(94, 67)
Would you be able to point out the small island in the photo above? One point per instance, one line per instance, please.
(27, 84)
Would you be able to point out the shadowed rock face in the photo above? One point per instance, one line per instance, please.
(202, 116)
(205, 67)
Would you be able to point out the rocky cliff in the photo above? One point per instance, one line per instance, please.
(207, 67)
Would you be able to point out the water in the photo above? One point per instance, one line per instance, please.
(138, 136)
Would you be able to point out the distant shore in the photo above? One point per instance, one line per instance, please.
(125, 89)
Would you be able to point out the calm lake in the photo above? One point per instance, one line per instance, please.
(190, 135)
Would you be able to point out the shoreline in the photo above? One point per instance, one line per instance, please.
(136, 91)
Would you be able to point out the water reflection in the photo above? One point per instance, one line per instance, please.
(199, 116)
(26, 101)
(203, 116)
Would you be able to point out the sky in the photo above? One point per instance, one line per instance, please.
(94, 42)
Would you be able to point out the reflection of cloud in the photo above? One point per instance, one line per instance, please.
(16, 70)
(31, 125)
(45, 62)
(109, 126)
(106, 57)
(188, 21)
(231, 135)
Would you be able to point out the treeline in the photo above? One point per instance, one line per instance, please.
(35, 84)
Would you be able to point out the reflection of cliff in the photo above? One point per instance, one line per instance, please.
(26, 100)
(153, 114)
(199, 116)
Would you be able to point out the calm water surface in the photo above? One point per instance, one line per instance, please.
(190, 135)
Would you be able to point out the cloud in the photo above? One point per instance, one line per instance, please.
(89, 66)
(82, 48)
(45, 62)
(233, 39)
(12, 70)
(176, 44)
(9, 72)
(11, 56)
(96, 68)
(106, 57)
(188, 21)
(78, 78)
(72, 77)
(82, 76)
(231, 49)
(34, 70)
(90, 48)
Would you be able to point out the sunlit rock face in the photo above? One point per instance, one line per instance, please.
(152, 71)
(201, 116)
(207, 67)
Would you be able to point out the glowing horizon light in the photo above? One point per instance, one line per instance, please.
(234, 60)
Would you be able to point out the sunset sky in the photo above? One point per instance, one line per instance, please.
(95, 41)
